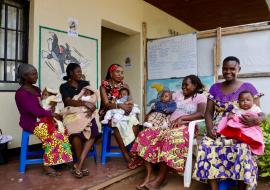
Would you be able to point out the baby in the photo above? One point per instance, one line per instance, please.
(159, 115)
(76, 119)
(117, 114)
(49, 101)
(231, 126)
(123, 122)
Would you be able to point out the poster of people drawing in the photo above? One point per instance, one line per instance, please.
(57, 49)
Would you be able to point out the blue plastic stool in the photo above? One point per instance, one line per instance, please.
(24, 153)
(106, 144)
(225, 184)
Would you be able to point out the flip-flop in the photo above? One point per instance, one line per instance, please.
(85, 172)
(51, 174)
(139, 187)
(76, 173)
(152, 188)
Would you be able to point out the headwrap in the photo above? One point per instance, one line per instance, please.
(113, 68)
(24, 69)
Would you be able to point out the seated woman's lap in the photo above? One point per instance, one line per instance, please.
(214, 161)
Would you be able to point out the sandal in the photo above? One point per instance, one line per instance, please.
(76, 173)
(135, 163)
(85, 172)
(51, 174)
(140, 187)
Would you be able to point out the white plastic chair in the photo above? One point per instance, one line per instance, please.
(188, 166)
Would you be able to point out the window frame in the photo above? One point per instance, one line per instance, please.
(7, 85)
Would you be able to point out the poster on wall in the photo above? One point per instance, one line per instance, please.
(172, 57)
(57, 49)
(154, 87)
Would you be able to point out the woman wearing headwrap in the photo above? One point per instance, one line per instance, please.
(55, 144)
(109, 92)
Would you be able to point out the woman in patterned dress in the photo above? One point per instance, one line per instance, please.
(219, 158)
(55, 144)
(169, 147)
(109, 91)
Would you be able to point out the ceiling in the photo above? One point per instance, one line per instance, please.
(209, 14)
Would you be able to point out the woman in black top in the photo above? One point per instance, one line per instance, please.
(80, 144)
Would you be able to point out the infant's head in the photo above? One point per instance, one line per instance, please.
(245, 100)
(48, 92)
(87, 92)
(166, 96)
(123, 92)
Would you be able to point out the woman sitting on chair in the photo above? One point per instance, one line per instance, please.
(56, 145)
(168, 147)
(110, 93)
(80, 144)
(218, 157)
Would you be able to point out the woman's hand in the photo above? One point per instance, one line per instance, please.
(126, 107)
(211, 133)
(180, 121)
(57, 116)
(250, 120)
(89, 113)
(90, 106)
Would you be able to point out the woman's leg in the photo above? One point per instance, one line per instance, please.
(77, 145)
(241, 185)
(213, 184)
(160, 178)
(86, 148)
(149, 169)
(121, 144)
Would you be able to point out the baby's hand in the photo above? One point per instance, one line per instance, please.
(230, 115)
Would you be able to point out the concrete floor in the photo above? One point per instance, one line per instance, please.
(175, 182)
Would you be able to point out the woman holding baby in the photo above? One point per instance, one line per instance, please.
(76, 93)
(56, 145)
(168, 146)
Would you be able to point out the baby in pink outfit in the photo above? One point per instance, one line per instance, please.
(231, 126)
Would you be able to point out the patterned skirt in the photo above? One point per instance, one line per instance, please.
(55, 144)
(215, 160)
(169, 145)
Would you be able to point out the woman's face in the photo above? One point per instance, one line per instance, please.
(230, 69)
(188, 88)
(76, 74)
(118, 74)
(31, 77)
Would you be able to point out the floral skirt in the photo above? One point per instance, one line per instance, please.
(55, 144)
(218, 161)
(169, 145)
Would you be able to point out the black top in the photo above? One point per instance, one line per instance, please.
(68, 91)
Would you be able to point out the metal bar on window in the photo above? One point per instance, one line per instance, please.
(16, 47)
(12, 29)
(5, 43)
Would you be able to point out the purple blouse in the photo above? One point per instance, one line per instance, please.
(29, 108)
(217, 94)
(224, 103)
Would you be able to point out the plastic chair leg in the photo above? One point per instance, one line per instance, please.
(104, 144)
(24, 148)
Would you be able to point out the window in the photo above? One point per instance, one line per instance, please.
(13, 41)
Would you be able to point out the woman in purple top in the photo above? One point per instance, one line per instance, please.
(80, 144)
(220, 158)
(56, 145)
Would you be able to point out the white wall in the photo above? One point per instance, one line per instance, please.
(121, 15)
